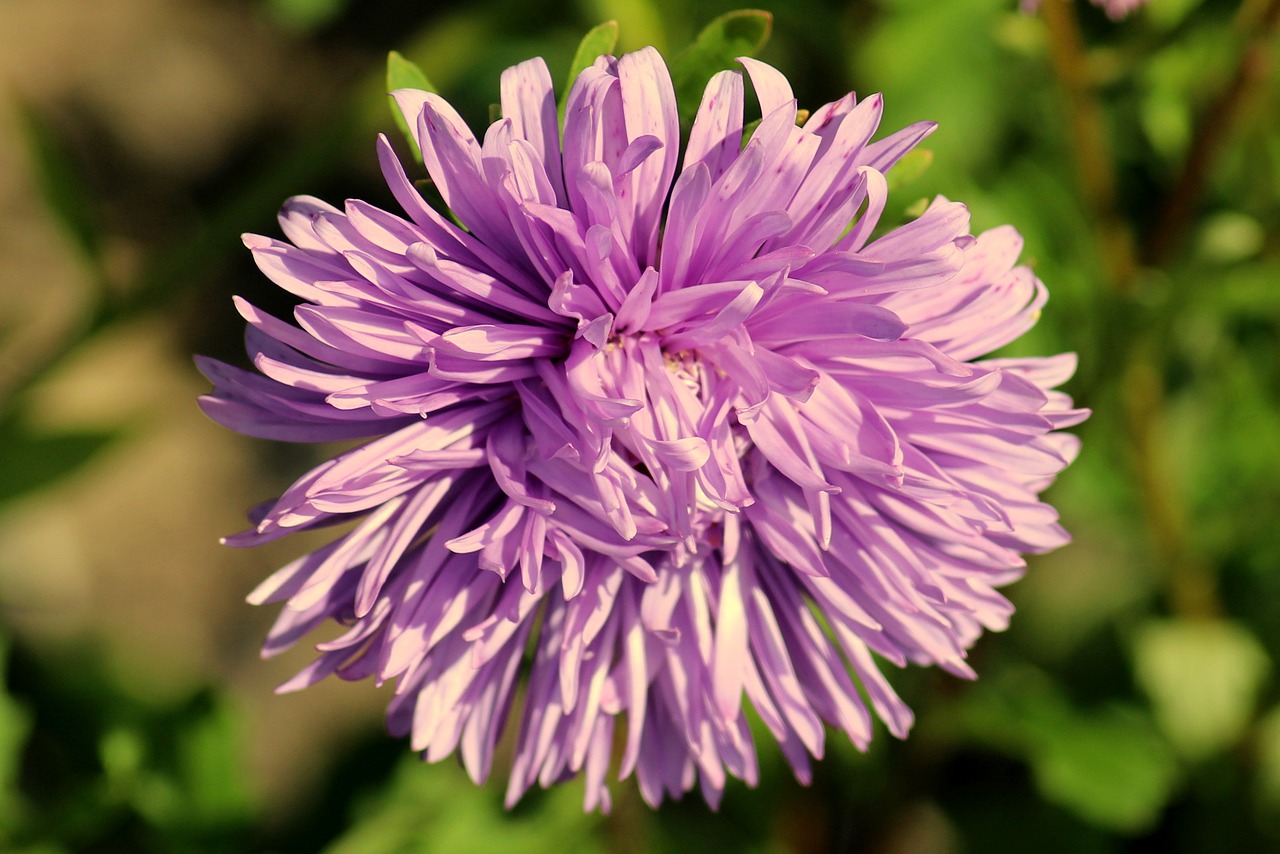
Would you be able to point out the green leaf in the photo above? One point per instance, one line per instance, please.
(403, 74)
(61, 186)
(1110, 768)
(1248, 290)
(305, 16)
(734, 34)
(1203, 678)
(435, 808)
(15, 726)
(34, 460)
(122, 752)
(1228, 237)
(1169, 13)
(601, 39)
(916, 209)
(209, 753)
(912, 165)
(1268, 753)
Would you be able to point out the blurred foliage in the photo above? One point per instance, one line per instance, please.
(305, 16)
(439, 810)
(34, 459)
(1130, 707)
(99, 769)
(62, 188)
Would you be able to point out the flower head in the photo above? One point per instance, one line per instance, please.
(665, 434)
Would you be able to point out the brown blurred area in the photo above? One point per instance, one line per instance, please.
(123, 554)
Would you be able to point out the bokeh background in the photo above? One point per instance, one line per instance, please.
(1132, 706)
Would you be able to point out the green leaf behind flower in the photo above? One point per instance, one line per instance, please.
(34, 460)
(15, 727)
(403, 74)
(601, 39)
(62, 188)
(1203, 677)
(1109, 766)
(305, 16)
(733, 34)
(435, 808)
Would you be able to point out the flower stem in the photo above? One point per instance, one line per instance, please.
(1094, 164)
(1190, 583)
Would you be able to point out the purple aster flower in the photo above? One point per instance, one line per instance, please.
(664, 435)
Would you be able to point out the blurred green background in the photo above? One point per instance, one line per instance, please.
(1132, 706)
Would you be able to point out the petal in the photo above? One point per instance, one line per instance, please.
(716, 137)
(528, 100)
(649, 109)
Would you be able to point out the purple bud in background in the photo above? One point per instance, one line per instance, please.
(663, 435)
(1115, 9)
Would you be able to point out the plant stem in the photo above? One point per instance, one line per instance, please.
(1089, 144)
(1190, 583)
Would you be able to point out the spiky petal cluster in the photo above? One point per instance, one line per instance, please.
(662, 449)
